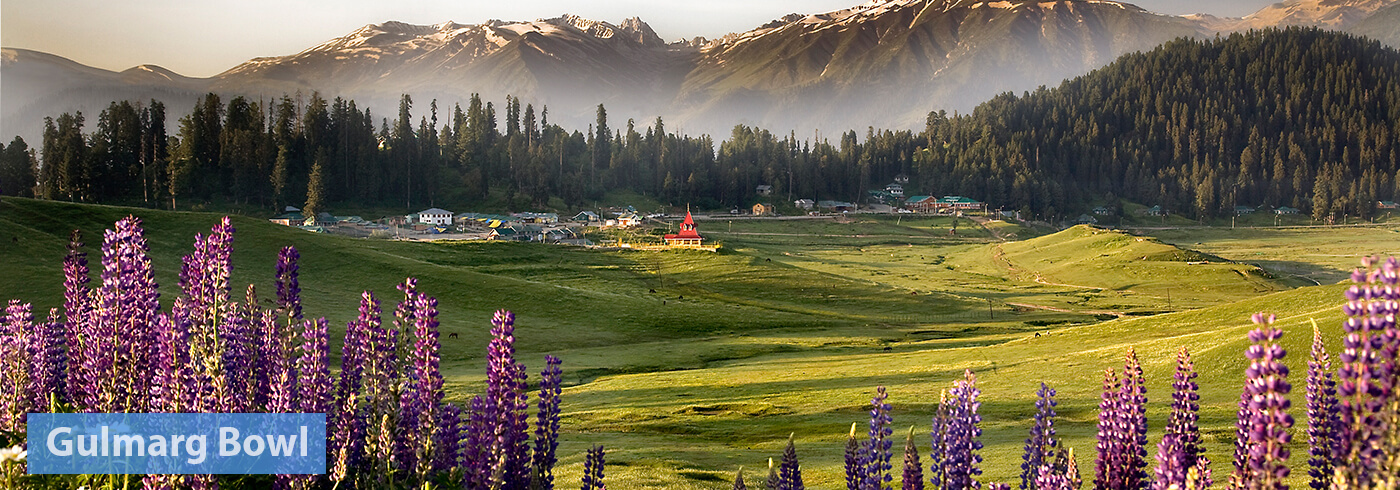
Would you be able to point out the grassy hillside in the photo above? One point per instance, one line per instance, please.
(683, 429)
(687, 365)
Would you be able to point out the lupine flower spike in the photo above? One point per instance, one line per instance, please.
(593, 470)
(1368, 377)
(1322, 415)
(789, 472)
(1268, 423)
(961, 458)
(1180, 448)
(1041, 443)
(739, 480)
(913, 469)
(875, 453)
(854, 473)
(772, 483)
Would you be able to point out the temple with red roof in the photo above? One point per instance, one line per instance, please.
(687, 237)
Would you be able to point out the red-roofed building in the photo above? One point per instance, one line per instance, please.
(687, 237)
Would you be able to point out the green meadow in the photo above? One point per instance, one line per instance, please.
(688, 365)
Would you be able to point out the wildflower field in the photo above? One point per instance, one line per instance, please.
(686, 366)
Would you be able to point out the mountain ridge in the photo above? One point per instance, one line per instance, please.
(882, 63)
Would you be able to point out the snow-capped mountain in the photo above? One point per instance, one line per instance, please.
(565, 61)
(1326, 14)
(884, 63)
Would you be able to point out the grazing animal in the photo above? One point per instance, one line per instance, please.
(653, 291)
(453, 335)
(768, 260)
(887, 348)
(1037, 335)
(680, 297)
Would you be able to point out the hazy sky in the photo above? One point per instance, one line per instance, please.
(204, 37)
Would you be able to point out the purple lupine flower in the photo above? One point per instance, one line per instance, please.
(1108, 465)
(506, 406)
(937, 476)
(476, 472)
(1047, 479)
(447, 450)
(789, 471)
(593, 470)
(913, 469)
(1367, 376)
(274, 358)
(118, 342)
(204, 278)
(47, 360)
(239, 354)
(1180, 447)
(172, 374)
(403, 325)
(875, 453)
(1269, 422)
(772, 483)
(288, 289)
(15, 399)
(960, 456)
(1041, 443)
(77, 304)
(1133, 422)
(739, 480)
(346, 429)
(204, 275)
(313, 368)
(1239, 478)
(547, 426)
(1322, 415)
(422, 397)
(854, 472)
(343, 440)
(998, 486)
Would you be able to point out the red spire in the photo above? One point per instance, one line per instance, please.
(687, 228)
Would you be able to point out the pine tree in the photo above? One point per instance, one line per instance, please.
(316, 187)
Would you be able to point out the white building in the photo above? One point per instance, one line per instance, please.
(435, 216)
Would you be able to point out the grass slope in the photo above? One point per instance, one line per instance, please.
(688, 364)
(683, 429)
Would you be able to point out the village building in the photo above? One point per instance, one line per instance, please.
(1243, 210)
(895, 189)
(435, 216)
(1386, 205)
(587, 217)
(537, 218)
(294, 218)
(837, 206)
(764, 190)
(1153, 211)
(687, 237)
(626, 220)
(920, 204)
(1102, 211)
(1085, 219)
(806, 204)
(1285, 210)
(901, 179)
(761, 209)
(958, 203)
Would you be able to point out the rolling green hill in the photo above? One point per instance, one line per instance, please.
(786, 332)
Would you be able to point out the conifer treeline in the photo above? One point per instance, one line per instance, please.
(1301, 117)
